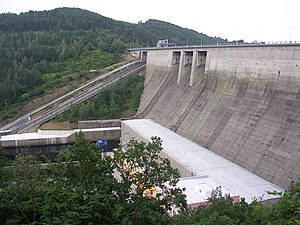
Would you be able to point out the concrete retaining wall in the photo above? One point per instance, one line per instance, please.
(58, 137)
(98, 124)
(110, 134)
(37, 142)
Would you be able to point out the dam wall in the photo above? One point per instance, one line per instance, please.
(158, 69)
(241, 102)
(256, 62)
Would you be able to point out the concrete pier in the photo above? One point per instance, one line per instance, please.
(194, 66)
(181, 65)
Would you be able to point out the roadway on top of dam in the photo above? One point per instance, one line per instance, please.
(221, 45)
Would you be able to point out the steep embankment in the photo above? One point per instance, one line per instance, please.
(245, 107)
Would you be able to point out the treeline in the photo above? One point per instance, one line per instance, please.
(34, 62)
(179, 35)
(81, 187)
(72, 19)
(42, 51)
(119, 101)
(145, 34)
(222, 211)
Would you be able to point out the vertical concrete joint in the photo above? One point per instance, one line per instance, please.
(141, 56)
(181, 62)
(194, 66)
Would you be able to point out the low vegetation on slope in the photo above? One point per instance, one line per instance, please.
(119, 101)
(43, 51)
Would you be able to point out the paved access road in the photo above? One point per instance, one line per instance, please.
(63, 103)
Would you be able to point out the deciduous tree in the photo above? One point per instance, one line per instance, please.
(142, 170)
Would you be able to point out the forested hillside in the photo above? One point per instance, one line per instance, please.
(43, 51)
(179, 35)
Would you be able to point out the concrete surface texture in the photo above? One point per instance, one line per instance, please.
(244, 107)
(194, 161)
(87, 124)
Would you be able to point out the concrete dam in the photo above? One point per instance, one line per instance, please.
(241, 102)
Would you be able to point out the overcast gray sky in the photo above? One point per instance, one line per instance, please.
(260, 20)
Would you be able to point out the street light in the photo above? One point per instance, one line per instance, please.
(201, 39)
(260, 35)
(291, 34)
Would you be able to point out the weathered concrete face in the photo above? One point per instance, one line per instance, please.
(193, 160)
(244, 107)
(127, 134)
(256, 62)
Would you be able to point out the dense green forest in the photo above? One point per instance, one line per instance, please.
(179, 35)
(46, 50)
(81, 187)
(119, 101)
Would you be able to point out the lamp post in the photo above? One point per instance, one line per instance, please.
(291, 34)
(201, 39)
(260, 35)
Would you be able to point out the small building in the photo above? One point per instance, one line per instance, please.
(164, 43)
(198, 190)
